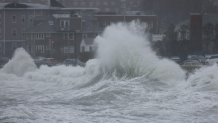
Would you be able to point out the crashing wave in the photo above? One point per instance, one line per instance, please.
(123, 50)
(205, 78)
(20, 64)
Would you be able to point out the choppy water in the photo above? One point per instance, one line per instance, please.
(126, 83)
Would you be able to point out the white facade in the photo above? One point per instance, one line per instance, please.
(84, 47)
(183, 35)
(183, 32)
(157, 37)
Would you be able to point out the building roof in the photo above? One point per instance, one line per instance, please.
(52, 3)
(16, 5)
(23, 6)
(2, 5)
(53, 6)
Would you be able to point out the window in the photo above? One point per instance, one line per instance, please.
(71, 36)
(90, 48)
(14, 19)
(64, 23)
(40, 48)
(65, 36)
(50, 22)
(83, 49)
(31, 18)
(37, 36)
(0, 18)
(67, 23)
(23, 18)
(14, 32)
(40, 35)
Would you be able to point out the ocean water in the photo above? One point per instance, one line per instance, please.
(126, 83)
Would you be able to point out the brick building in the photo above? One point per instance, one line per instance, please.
(42, 29)
(204, 33)
(26, 1)
(51, 30)
(196, 33)
(15, 19)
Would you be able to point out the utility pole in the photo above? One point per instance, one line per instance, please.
(34, 35)
(49, 2)
(123, 4)
(4, 35)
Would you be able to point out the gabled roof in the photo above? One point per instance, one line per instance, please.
(51, 6)
(2, 5)
(16, 5)
(53, 3)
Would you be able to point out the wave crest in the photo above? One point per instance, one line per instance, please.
(20, 64)
(124, 50)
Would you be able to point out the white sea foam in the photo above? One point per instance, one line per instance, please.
(205, 78)
(124, 50)
(20, 64)
(125, 83)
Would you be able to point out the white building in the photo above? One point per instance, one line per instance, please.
(183, 31)
(87, 45)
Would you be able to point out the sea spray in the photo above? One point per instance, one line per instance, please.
(205, 78)
(92, 67)
(20, 64)
(52, 94)
(124, 50)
